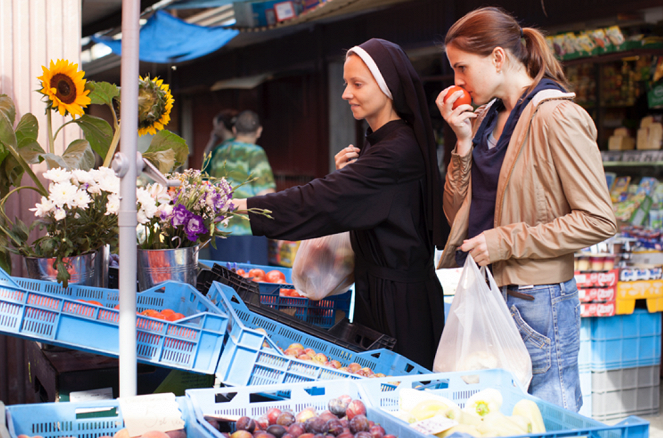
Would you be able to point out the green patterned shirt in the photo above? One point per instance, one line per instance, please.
(238, 162)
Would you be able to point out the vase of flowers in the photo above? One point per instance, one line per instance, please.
(79, 215)
(78, 212)
(175, 223)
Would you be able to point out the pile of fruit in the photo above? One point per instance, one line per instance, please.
(297, 351)
(344, 418)
(259, 275)
(480, 417)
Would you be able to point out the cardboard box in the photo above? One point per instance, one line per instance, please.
(597, 279)
(597, 309)
(597, 294)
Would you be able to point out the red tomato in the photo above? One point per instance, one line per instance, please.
(465, 99)
(241, 272)
(274, 276)
(257, 274)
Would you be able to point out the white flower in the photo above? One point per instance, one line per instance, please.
(44, 208)
(58, 175)
(60, 214)
(82, 176)
(159, 193)
(109, 182)
(148, 206)
(81, 199)
(113, 204)
(164, 210)
(62, 193)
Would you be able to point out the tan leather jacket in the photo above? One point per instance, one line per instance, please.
(552, 196)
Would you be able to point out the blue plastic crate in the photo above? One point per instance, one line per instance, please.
(291, 396)
(322, 313)
(253, 357)
(75, 419)
(585, 353)
(382, 394)
(60, 318)
(626, 341)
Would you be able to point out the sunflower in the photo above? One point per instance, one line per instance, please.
(154, 105)
(65, 88)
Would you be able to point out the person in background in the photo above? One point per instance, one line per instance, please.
(222, 130)
(388, 195)
(244, 164)
(525, 187)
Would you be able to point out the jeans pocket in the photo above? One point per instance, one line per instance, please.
(538, 345)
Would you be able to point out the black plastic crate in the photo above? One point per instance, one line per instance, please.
(352, 336)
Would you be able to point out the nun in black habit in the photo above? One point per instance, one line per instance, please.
(389, 199)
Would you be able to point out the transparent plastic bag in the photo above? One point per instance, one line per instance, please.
(480, 332)
(324, 266)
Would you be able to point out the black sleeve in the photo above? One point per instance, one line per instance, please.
(359, 196)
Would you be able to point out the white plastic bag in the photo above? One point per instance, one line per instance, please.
(480, 332)
(324, 266)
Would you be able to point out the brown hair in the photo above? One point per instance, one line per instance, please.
(483, 29)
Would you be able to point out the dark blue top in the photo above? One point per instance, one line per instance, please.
(487, 162)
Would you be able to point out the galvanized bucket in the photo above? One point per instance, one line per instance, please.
(89, 269)
(158, 265)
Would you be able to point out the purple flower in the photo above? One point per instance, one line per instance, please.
(194, 227)
(180, 215)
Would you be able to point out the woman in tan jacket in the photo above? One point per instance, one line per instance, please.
(525, 187)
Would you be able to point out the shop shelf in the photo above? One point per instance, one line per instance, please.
(255, 401)
(323, 313)
(355, 337)
(559, 422)
(82, 419)
(626, 341)
(45, 312)
(253, 351)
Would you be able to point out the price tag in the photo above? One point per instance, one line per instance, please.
(91, 395)
(151, 412)
(433, 425)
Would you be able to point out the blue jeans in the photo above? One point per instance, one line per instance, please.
(550, 327)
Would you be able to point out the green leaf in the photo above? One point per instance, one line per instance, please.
(97, 132)
(163, 160)
(7, 108)
(5, 259)
(31, 151)
(102, 93)
(11, 173)
(165, 140)
(7, 135)
(79, 155)
(27, 128)
(54, 161)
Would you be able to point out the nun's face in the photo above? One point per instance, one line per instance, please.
(366, 99)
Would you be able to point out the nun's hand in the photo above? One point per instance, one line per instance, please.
(478, 249)
(346, 156)
(459, 119)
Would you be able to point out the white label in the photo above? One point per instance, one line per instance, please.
(143, 413)
(93, 394)
(433, 425)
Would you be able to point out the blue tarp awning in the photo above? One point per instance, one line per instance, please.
(165, 39)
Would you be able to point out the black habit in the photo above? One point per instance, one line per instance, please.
(380, 199)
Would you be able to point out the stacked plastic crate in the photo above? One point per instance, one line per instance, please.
(620, 352)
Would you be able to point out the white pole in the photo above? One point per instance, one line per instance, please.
(127, 216)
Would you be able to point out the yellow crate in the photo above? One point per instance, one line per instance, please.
(629, 291)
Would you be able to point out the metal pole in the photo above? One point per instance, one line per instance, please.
(127, 220)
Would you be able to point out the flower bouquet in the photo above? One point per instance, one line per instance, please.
(176, 218)
(66, 91)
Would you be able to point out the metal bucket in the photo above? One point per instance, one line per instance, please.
(89, 269)
(158, 265)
